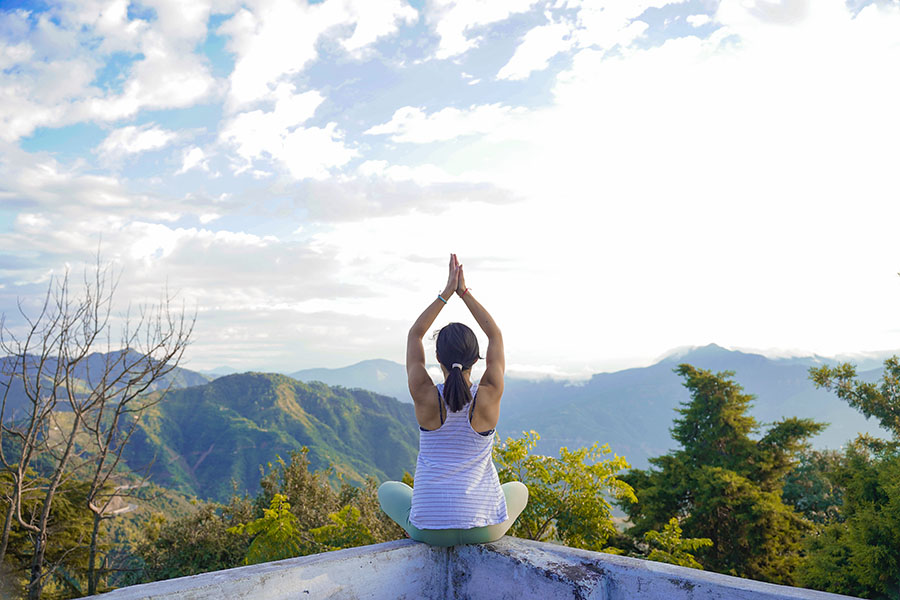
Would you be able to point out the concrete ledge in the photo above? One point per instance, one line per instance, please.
(398, 570)
(510, 569)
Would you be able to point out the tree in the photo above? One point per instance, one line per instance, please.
(725, 484)
(51, 366)
(276, 534)
(365, 499)
(858, 552)
(309, 493)
(346, 530)
(69, 527)
(811, 486)
(196, 543)
(669, 547)
(567, 496)
(872, 400)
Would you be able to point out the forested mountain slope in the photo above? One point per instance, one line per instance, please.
(201, 438)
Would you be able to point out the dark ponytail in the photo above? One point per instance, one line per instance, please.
(457, 344)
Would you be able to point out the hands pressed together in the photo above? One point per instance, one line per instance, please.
(456, 281)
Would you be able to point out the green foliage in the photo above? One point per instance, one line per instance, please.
(860, 555)
(567, 496)
(196, 543)
(297, 512)
(311, 495)
(68, 533)
(858, 551)
(365, 500)
(345, 531)
(811, 487)
(725, 485)
(881, 402)
(276, 535)
(669, 547)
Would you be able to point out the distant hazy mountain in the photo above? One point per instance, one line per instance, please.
(89, 373)
(379, 375)
(204, 437)
(633, 410)
(219, 372)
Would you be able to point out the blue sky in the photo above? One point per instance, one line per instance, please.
(618, 177)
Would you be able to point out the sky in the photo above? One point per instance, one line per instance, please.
(618, 177)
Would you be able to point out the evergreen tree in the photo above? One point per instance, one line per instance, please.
(669, 547)
(725, 482)
(276, 535)
(857, 551)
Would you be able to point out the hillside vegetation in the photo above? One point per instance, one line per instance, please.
(202, 438)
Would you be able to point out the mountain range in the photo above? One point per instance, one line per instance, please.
(360, 419)
(632, 410)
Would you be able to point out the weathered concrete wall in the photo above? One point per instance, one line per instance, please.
(511, 569)
(389, 571)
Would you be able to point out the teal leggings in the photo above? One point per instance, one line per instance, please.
(396, 500)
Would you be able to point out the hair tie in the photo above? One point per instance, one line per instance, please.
(456, 366)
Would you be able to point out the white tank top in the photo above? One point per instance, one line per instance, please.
(456, 484)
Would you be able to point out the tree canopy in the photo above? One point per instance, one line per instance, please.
(725, 482)
(567, 496)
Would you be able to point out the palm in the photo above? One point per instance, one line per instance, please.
(453, 277)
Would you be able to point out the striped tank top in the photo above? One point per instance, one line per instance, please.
(456, 484)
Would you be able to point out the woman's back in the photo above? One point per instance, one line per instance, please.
(456, 483)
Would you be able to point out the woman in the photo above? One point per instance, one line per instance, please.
(457, 497)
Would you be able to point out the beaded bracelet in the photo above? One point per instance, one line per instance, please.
(441, 298)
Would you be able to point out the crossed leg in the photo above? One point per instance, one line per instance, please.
(396, 500)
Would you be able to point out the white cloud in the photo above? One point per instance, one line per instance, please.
(425, 174)
(59, 53)
(538, 46)
(75, 207)
(413, 125)
(165, 78)
(607, 24)
(374, 20)
(278, 134)
(698, 20)
(314, 151)
(193, 158)
(135, 139)
(274, 39)
(14, 54)
(455, 20)
(31, 222)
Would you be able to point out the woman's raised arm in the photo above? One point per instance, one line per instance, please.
(421, 388)
(490, 389)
